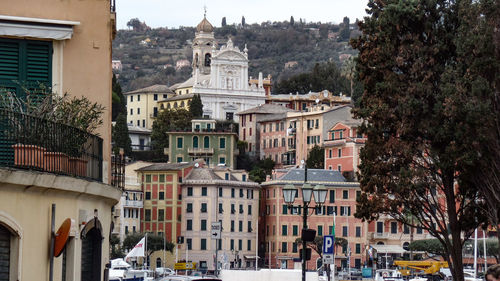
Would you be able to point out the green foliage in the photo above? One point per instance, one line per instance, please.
(432, 246)
(169, 120)
(316, 158)
(492, 249)
(243, 21)
(155, 242)
(223, 23)
(196, 106)
(428, 82)
(292, 21)
(118, 99)
(116, 251)
(261, 169)
(120, 136)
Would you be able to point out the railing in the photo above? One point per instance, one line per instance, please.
(32, 143)
(200, 150)
(133, 203)
(380, 235)
(118, 171)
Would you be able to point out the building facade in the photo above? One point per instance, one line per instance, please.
(301, 102)
(161, 186)
(142, 105)
(222, 195)
(215, 147)
(342, 147)
(66, 48)
(282, 224)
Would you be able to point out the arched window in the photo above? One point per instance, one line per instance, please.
(206, 142)
(91, 251)
(195, 142)
(158, 262)
(175, 104)
(380, 243)
(182, 103)
(168, 106)
(208, 59)
(5, 252)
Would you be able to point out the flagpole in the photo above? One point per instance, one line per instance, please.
(334, 252)
(146, 250)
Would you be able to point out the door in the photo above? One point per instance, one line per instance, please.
(4, 253)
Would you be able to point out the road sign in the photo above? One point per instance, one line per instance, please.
(328, 247)
(328, 258)
(185, 266)
(216, 228)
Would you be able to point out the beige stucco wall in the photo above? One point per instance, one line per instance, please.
(146, 104)
(84, 67)
(25, 207)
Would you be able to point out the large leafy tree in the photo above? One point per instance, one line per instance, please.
(316, 158)
(169, 120)
(424, 114)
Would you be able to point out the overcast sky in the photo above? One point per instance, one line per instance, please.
(175, 13)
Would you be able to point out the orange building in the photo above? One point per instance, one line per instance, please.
(161, 186)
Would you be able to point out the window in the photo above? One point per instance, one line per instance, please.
(249, 209)
(189, 224)
(241, 209)
(203, 226)
(232, 226)
(203, 243)
(161, 195)
(345, 210)
(241, 193)
(339, 152)
(179, 142)
(294, 247)
(329, 153)
(131, 98)
(138, 111)
(232, 189)
(295, 230)
(232, 244)
(148, 195)
(249, 226)
(394, 227)
(161, 215)
(138, 123)
(189, 207)
(147, 215)
(240, 226)
(284, 230)
(138, 97)
(220, 191)
(155, 111)
(358, 231)
(233, 209)
(358, 194)
(284, 247)
(358, 248)
(162, 178)
(203, 207)
(406, 229)
(345, 194)
(222, 143)
(126, 229)
(249, 245)
(204, 191)
(332, 196)
(131, 111)
(320, 230)
(179, 159)
(195, 142)
(189, 191)
(148, 178)
(244, 178)
(419, 230)
(206, 142)
(344, 231)
(250, 132)
(380, 227)
(339, 168)
(240, 244)
(285, 209)
(189, 243)
(220, 208)
(222, 160)
(155, 97)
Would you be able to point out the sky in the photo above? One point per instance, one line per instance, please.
(175, 13)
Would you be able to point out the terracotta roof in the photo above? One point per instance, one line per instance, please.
(266, 109)
(163, 89)
(166, 166)
(205, 26)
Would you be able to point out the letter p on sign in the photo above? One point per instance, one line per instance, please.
(328, 244)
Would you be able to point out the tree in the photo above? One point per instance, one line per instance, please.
(431, 246)
(348, 71)
(196, 106)
(316, 158)
(116, 251)
(345, 32)
(243, 21)
(120, 136)
(118, 99)
(169, 120)
(424, 115)
(155, 242)
(261, 169)
(292, 21)
(223, 24)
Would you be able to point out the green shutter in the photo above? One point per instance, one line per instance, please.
(4, 253)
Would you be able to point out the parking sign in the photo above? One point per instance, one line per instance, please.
(328, 247)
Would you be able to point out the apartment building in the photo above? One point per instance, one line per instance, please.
(223, 195)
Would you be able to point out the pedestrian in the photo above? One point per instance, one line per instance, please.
(493, 273)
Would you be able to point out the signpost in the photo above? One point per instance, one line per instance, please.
(328, 249)
(216, 228)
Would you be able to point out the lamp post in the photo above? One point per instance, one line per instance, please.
(289, 194)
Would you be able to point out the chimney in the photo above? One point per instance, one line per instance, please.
(261, 83)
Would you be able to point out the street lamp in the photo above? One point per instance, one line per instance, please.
(289, 194)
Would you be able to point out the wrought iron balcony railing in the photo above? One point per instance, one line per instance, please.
(32, 143)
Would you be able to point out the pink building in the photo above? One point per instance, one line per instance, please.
(281, 225)
(273, 138)
(342, 146)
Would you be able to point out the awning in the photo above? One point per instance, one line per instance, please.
(251, 257)
(284, 258)
(36, 27)
(389, 249)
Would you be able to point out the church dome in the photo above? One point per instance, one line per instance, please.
(205, 26)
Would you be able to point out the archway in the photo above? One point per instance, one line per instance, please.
(158, 262)
(195, 142)
(91, 251)
(208, 59)
(5, 251)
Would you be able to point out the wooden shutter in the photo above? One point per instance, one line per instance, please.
(4, 253)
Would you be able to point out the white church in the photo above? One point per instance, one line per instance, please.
(220, 76)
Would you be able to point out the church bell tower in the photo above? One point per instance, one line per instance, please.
(203, 46)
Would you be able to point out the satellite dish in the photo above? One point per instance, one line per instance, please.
(61, 238)
(197, 165)
(317, 100)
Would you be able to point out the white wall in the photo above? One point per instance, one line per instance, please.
(266, 274)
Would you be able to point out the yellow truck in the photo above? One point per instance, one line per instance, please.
(429, 268)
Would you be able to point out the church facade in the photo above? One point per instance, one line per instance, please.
(220, 76)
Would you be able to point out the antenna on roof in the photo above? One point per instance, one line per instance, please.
(205, 8)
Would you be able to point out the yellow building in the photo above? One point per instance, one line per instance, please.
(65, 45)
(142, 104)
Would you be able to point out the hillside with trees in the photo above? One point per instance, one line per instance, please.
(282, 49)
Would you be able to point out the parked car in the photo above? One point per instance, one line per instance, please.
(164, 271)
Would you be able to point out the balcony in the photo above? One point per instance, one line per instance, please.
(200, 151)
(380, 235)
(32, 143)
(133, 204)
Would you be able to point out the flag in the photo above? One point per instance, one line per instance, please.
(138, 250)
